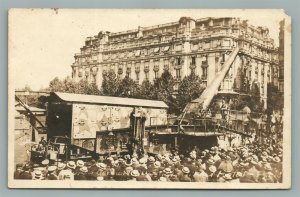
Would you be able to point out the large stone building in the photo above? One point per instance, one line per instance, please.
(201, 46)
(281, 56)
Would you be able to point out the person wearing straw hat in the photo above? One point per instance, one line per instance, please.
(135, 163)
(134, 174)
(44, 166)
(38, 175)
(102, 170)
(71, 165)
(60, 167)
(167, 172)
(52, 173)
(79, 164)
(227, 177)
(185, 175)
(81, 175)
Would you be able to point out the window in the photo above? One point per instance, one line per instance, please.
(195, 46)
(193, 61)
(178, 61)
(223, 58)
(120, 71)
(226, 43)
(204, 73)
(166, 48)
(137, 76)
(178, 47)
(138, 53)
(249, 75)
(204, 67)
(147, 76)
(207, 45)
(128, 72)
(155, 74)
(178, 73)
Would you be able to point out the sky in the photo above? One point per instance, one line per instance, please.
(42, 42)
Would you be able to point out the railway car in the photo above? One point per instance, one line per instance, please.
(101, 125)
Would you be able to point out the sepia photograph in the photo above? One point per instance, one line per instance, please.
(149, 98)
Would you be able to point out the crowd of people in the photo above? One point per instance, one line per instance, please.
(246, 164)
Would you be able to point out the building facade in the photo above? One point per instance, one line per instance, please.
(201, 46)
(281, 55)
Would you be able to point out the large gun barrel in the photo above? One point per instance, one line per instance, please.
(203, 102)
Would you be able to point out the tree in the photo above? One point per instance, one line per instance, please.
(56, 85)
(164, 89)
(70, 86)
(84, 87)
(255, 102)
(189, 89)
(128, 88)
(110, 83)
(147, 90)
(275, 99)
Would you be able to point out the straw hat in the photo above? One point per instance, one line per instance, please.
(84, 169)
(210, 161)
(134, 160)
(45, 162)
(151, 159)
(101, 165)
(71, 164)
(185, 170)
(143, 160)
(38, 175)
(212, 169)
(61, 166)
(227, 176)
(277, 160)
(52, 168)
(167, 171)
(157, 164)
(134, 173)
(80, 163)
